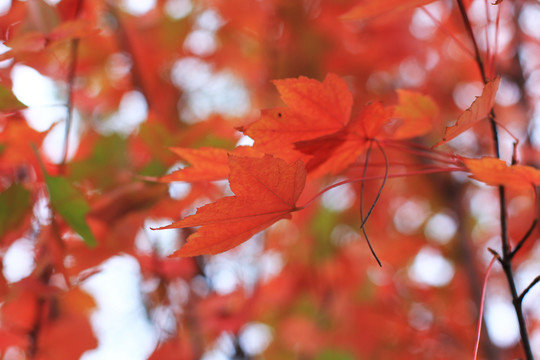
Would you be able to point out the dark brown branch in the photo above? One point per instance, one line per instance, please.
(506, 261)
(525, 237)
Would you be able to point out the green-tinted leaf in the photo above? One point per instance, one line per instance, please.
(333, 354)
(8, 101)
(14, 203)
(67, 201)
(108, 156)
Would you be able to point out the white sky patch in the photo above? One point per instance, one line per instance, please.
(465, 93)
(201, 42)
(237, 267)
(40, 94)
(245, 141)
(508, 93)
(138, 7)
(431, 268)
(255, 338)
(270, 264)
(502, 325)
(207, 92)
(5, 5)
(524, 276)
(412, 72)
(18, 260)
(120, 321)
(178, 190)
(528, 19)
(339, 198)
(164, 242)
(422, 25)
(132, 111)
(178, 9)
(53, 144)
(410, 215)
(210, 20)
(440, 228)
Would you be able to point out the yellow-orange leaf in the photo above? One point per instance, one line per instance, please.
(493, 171)
(415, 113)
(479, 110)
(266, 190)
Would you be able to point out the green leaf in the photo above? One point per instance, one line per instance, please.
(14, 204)
(68, 201)
(8, 101)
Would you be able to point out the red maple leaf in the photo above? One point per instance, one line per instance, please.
(266, 190)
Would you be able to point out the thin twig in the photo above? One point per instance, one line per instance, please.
(364, 219)
(73, 56)
(477, 345)
(524, 292)
(524, 238)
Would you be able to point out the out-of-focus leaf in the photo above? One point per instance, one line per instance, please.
(68, 201)
(332, 354)
(416, 113)
(493, 171)
(366, 9)
(14, 204)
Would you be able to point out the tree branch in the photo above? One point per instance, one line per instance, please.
(506, 261)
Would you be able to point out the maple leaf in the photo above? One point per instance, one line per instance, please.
(493, 171)
(266, 190)
(315, 126)
(335, 152)
(479, 109)
(207, 164)
(314, 109)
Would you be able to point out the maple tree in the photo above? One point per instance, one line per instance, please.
(361, 163)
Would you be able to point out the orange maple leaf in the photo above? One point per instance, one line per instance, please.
(314, 109)
(315, 127)
(266, 190)
(207, 164)
(493, 171)
(479, 109)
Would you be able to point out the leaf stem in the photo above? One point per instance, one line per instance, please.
(482, 307)
(378, 177)
(74, 50)
(362, 187)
